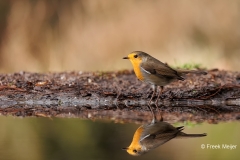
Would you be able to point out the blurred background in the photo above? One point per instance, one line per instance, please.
(88, 35)
(61, 35)
(73, 139)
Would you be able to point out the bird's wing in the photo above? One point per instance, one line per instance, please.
(160, 69)
(159, 133)
(153, 141)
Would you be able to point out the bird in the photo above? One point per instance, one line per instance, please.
(151, 136)
(152, 71)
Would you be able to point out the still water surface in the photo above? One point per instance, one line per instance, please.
(73, 138)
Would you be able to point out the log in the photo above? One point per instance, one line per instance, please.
(54, 94)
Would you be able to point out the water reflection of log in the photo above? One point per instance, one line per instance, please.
(22, 93)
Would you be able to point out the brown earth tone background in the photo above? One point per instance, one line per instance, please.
(43, 35)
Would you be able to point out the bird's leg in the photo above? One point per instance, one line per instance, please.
(160, 92)
(149, 90)
(156, 102)
(149, 104)
(154, 120)
(154, 91)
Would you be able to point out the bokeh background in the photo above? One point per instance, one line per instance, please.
(88, 35)
(74, 139)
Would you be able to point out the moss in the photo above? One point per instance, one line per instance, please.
(190, 66)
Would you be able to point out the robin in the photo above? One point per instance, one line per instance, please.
(151, 136)
(150, 70)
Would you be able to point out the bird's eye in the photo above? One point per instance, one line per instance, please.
(135, 151)
(135, 56)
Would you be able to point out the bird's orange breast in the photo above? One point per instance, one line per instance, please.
(136, 138)
(136, 68)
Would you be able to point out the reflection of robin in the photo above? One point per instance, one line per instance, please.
(150, 70)
(150, 136)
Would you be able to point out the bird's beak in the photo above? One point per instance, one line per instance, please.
(125, 148)
(125, 57)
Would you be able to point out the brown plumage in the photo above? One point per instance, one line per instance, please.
(151, 136)
(150, 70)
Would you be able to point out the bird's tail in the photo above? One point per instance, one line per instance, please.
(183, 72)
(184, 135)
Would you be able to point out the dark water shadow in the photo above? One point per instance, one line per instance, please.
(131, 113)
(150, 136)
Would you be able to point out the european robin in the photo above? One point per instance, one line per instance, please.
(151, 136)
(150, 70)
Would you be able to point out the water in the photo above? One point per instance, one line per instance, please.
(74, 138)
